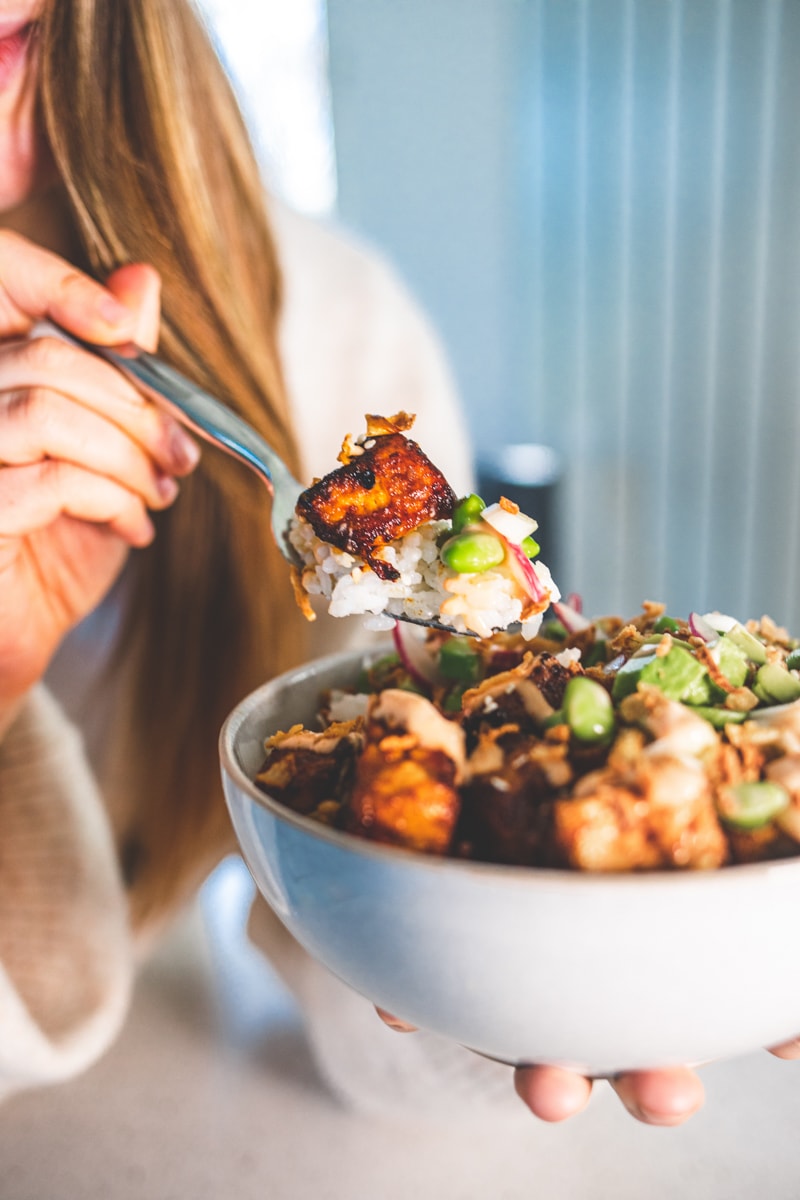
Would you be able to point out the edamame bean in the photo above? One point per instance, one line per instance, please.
(530, 546)
(467, 510)
(750, 805)
(588, 709)
(470, 553)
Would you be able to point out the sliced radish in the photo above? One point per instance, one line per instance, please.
(524, 571)
(700, 627)
(720, 622)
(575, 601)
(546, 581)
(572, 620)
(514, 527)
(411, 644)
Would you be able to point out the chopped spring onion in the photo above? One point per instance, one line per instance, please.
(665, 624)
(719, 717)
(458, 660)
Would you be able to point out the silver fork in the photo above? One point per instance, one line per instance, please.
(213, 421)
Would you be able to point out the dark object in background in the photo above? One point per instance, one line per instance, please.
(529, 474)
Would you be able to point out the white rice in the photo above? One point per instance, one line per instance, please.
(346, 706)
(426, 588)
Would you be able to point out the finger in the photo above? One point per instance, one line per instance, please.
(33, 497)
(138, 287)
(55, 365)
(394, 1022)
(39, 424)
(788, 1050)
(666, 1097)
(551, 1093)
(34, 283)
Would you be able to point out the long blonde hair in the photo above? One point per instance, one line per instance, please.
(157, 166)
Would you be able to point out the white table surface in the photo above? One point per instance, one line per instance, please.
(208, 1094)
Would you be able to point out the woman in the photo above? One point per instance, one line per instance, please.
(121, 144)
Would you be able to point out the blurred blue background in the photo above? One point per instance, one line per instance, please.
(597, 202)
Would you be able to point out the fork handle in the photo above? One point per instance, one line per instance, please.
(184, 400)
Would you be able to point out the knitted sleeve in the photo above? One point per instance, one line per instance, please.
(65, 956)
(369, 1067)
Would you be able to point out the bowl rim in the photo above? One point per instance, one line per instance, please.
(505, 873)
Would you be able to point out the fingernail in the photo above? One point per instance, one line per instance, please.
(145, 534)
(659, 1119)
(396, 1024)
(167, 488)
(113, 312)
(184, 450)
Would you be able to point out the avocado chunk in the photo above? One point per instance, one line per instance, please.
(678, 674)
(731, 659)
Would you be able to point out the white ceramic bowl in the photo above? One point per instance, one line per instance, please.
(599, 972)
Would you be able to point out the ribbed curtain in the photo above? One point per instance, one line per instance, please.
(658, 219)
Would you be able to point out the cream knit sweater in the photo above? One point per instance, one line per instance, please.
(353, 342)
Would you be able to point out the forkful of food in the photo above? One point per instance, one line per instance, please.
(383, 535)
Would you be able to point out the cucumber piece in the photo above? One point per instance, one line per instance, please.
(748, 643)
(774, 685)
(750, 646)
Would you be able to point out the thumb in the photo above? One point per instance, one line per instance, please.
(138, 287)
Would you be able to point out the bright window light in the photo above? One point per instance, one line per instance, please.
(276, 53)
